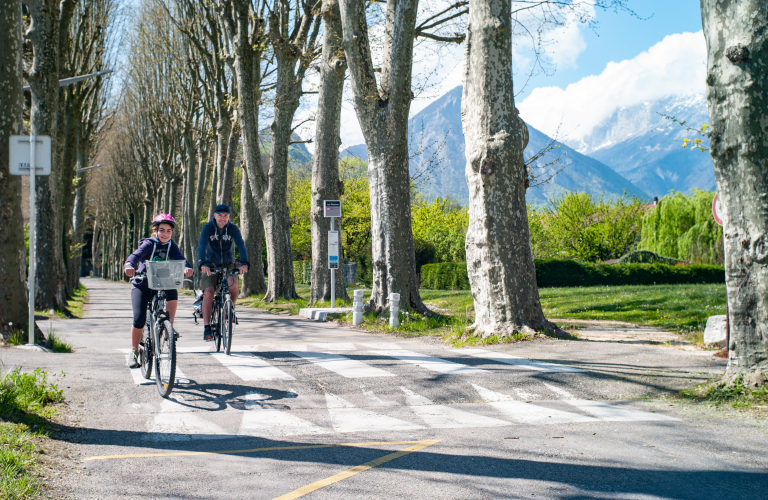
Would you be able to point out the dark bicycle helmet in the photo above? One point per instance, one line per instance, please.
(164, 219)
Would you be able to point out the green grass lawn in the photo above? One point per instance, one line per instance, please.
(677, 308)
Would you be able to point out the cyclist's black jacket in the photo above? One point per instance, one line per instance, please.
(151, 249)
(215, 245)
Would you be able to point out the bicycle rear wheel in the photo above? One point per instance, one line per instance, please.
(228, 313)
(165, 358)
(145, 351)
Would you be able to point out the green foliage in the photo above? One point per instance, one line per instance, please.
(355, 208)
(445, 276)
(647, 257)
(568, 273)
(28, 393)
(299, 207)
(439, 230)
(302, 271)
(58, 344)
(580, 226)
(682, 227)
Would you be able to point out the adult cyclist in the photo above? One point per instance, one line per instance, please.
(160, 247)
(215, 247)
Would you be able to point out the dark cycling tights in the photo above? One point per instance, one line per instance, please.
(140, 297)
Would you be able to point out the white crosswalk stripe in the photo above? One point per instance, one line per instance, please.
(346, 417)
(344, 366)
(605, 411)
(516, 361)
(250, 367)
(441, 416)
(528, 413)
(178, 422)
(430, 362)
(139, 379)
(261, 420)
(333, 346)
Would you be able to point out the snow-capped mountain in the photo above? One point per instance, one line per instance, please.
(436, 140)
(645, 147)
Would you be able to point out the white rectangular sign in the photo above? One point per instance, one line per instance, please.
(333, 249)
(19, 155)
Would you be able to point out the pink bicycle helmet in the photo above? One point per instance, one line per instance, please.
(164, 219)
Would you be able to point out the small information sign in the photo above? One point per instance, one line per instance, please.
(333, 249)
(19, 155)
(332, 208)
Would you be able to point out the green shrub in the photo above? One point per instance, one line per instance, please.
(683, 227)
(647, 257)
(445, 276)
(561, 273)
(302, 271)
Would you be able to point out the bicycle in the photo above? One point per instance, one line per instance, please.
(157, 348)
(223, 309)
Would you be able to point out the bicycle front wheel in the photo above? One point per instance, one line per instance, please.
(145, 351)
(165, 358)
(216, 327)
(228, 313)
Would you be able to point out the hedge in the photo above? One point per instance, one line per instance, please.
(558, 273)
(302, 271)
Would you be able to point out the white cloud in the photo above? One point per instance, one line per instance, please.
(674, 66)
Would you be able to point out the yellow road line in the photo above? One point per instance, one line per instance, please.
(251, 450)
(354, 470)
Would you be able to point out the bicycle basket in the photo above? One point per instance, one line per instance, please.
(165, 275)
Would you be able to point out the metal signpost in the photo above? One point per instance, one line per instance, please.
(31, 156)
(332, 209)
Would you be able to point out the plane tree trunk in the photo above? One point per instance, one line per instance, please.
(736, 33)
(13, 301)
(50, 289)
(383, 117)
(499, 257)
(325, 169)
(252, 230)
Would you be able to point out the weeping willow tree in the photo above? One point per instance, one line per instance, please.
(682, 227)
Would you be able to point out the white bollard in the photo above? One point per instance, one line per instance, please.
(394, 309)
(357, 308)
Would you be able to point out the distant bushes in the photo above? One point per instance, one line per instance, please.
(648, 257)
(682, 227)
(560, 273)
(302, 271)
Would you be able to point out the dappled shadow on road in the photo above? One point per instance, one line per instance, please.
(572, 480)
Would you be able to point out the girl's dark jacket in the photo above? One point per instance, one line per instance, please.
(151, 249)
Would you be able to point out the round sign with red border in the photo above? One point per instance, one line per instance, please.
(717, 211)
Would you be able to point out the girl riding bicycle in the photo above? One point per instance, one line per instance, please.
(160, 247)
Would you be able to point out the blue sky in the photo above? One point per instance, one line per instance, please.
(620, 36)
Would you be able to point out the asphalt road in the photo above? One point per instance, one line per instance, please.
(317, 411)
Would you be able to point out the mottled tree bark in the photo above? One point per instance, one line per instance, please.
(246, 33)
(252, 230)
(383, 116)
(13, 301)
(325, 168)
(50, 289)
(736, 32)
(499, 255)
(228, 170)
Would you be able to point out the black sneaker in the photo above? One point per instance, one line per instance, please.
(133, 360)
(207, 335)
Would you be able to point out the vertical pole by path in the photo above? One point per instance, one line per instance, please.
(32, 217)
(333, 277)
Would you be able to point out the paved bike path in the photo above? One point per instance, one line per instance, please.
(502, 422)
